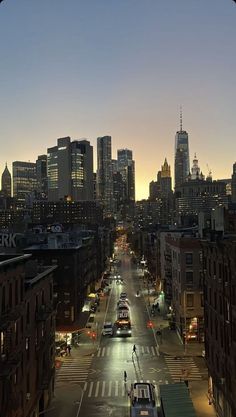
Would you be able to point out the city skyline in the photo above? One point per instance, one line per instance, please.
(120, 71)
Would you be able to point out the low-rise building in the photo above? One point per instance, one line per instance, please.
(27, 336)
(75, 277)
(220, 321)
(185, 254)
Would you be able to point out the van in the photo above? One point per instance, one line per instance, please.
(107, 329)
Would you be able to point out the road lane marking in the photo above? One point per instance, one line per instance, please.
(103, 351)
(103, 388)
(109, 390)
(97, 389)
(90, 389)
(116, 389)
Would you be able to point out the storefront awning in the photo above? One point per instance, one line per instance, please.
(76, 326)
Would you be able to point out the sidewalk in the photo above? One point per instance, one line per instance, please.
(170, 344)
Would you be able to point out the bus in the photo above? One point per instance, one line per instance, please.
(143, 400)
(123, 327)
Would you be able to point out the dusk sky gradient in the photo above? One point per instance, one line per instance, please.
(122, 68)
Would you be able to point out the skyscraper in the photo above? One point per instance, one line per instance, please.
(82, 170)
(181, 155)
(104, 174)
(6, 182)
(126, 167)
(233, 184)
(41, 173)
(24, 180)
(70, 170)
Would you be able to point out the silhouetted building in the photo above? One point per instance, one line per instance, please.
(24, 181)
(126, 166)
(27, 334)
(76, 259)
(67, 212)
(181, 155)
(104, 174)
(70, 170)
(6, 183)
(184, 254)
(220, 322)
(41, 174)
(198, 195)
(161, 192)
(233, 184)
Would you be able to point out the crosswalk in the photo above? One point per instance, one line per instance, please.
(101, 389)
(183, 368)
(73, 370)
(121, 352)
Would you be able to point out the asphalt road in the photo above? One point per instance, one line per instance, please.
(105, 393)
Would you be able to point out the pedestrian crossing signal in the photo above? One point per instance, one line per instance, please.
(150, 324)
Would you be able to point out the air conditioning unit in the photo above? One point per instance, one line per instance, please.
(3, 357)
(28, 396)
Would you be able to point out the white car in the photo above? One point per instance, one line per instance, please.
(107, 329)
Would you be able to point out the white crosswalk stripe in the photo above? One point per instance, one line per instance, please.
(183, 368)
(101, 389)
(73, 370)
(121, 352)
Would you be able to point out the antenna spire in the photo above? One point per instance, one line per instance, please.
(181, 119)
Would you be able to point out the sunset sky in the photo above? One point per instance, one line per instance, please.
(88, 68)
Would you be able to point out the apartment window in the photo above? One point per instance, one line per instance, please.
(2, 343)
(216, 330)
(200, 257)
(27, 347)
(215, 300)
(51, 291)
(188, 258)
(202, 300)
(10, 295)
(214, 268)
(189, 300)
(209, 267)
(22, 290)
(28, 382)
(66, 297)
(3, 300)
(15, 378)
(67, 314)
(43, 329)
(189, 278)
(26, 343)
(16, 292)
(16, 332)
(28, 313)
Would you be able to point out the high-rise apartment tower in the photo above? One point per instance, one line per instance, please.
(104, 174)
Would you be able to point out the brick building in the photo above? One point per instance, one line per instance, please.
(220, 322)
(27, 335)
(184, 254)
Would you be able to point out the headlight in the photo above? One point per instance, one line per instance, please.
(129, 331)
(118, 332)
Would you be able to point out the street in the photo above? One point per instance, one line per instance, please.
(93, 385)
